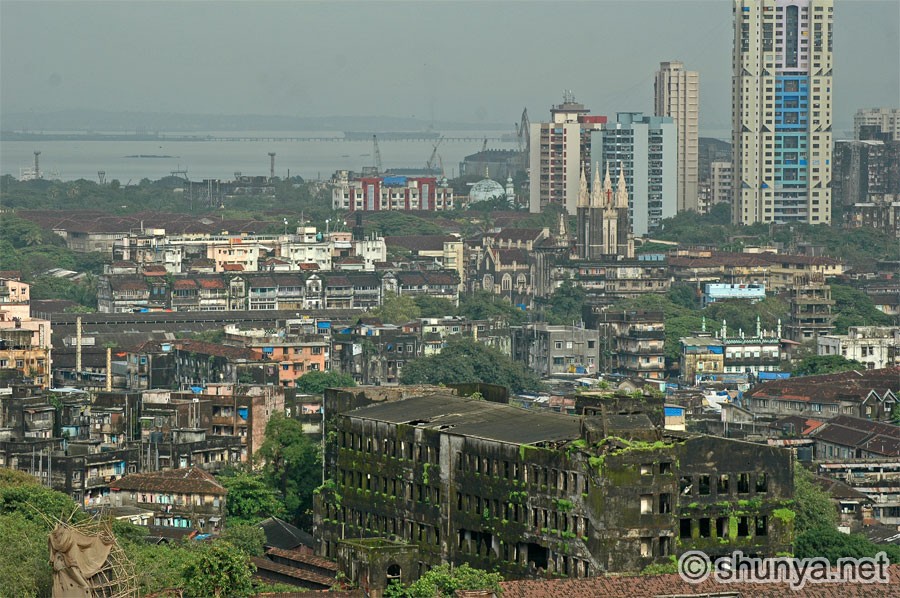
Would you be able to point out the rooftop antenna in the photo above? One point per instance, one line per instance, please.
(271, 166)
(101, 174)
(37, 168)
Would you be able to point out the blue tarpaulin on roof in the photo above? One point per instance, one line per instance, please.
(674, 411)
(717, 350)
(774, 375)
(242, 411)
(323, 324)
(196, 389)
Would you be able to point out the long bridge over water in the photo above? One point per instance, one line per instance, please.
(382, 138)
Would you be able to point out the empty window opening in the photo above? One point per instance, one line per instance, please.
(762, 526)
(537, 555)
(646, 504)
(743, 527)
(723, 485)
(705, 529)
(703, 485)
(743, 483)
(722, 527)
(665, 503)
(646, 547)
(762, 483)
(685, 485)
(684, 528)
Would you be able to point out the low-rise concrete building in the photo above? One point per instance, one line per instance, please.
(555, 349)
(873, 346)
(185, 499)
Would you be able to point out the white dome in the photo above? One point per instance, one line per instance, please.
(486, 189)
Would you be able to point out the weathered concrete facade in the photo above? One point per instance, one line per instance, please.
(529, 494)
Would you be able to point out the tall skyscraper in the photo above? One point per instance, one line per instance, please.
(643, 149)
(781, 111)
(676, 93)
(560, 150)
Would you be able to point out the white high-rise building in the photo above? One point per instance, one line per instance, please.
(644, 149)
(720, 176)
(885, 120)
(781, 111)
(676, 94)
(560, 150)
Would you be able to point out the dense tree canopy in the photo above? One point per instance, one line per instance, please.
(565, 305)
(854, 308)
(396, 309)
(465, 360)
(250, 498)
(315, 382)
(443, 581)
(292, 465)
(482, 305)
(825, 364)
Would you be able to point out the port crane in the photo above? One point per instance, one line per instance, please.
(430, 164)
(522, 132)
(378, 167)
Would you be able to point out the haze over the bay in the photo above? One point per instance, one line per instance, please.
(464, 62)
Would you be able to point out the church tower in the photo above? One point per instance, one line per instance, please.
(583, 238)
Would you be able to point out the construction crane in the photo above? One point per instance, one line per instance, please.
(522, 132)
(430, 164)
(378, 166)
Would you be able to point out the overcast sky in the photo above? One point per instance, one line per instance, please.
(462, 61)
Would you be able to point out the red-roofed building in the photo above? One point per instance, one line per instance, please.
(867, 394)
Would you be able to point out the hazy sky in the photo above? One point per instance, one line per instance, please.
(464, 61)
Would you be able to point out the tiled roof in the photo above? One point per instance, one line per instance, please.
(508, 256)
(659, 586)
(302, 557)
(282, 535)
(294, 572)
(192, 480)
(232, 267)
(184, 284)
(308, 266)
(874, 437)
(853, 385)
(210, 283)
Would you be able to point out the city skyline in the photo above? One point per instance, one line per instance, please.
(453, 61)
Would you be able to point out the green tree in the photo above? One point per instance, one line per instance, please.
(27, 514)
(250, 499)
(465, 360)
(292, 465)
(482, 305)
(218, 569)
(249, 539)
(815, 365)
(315, 382)
(434, 307)
(396, 309)
(565, 304)
(443, 581)
(21, 494)
(826, 541)
(813, 505)
(25, 570)
(854, 308)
